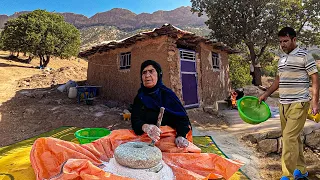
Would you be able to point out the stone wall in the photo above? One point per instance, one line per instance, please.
(270, 142)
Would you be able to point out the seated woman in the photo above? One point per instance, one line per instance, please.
(146, 107)
(53, 158)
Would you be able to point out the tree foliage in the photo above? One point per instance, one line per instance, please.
(269, 63)
(270, 68)
(239, 71)
(304, 16)
(316, 56)
(43, 34)
(255, 23)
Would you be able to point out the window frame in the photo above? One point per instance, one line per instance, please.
(216, 60)
(125, 60)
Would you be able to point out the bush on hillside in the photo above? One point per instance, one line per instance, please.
(239, 71)
(316, 56)
(270, 68)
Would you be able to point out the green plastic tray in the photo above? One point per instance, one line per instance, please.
(88, 135)
(251, 111)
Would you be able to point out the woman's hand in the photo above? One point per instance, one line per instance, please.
(181, 142)
(152, 130)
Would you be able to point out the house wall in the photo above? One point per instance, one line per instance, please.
(215, 84)
(174, 68)
(122, 85)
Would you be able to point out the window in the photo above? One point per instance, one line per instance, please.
(125, 60)
(187, 55)
(215, 60)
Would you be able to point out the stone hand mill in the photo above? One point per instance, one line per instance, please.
(140, 160)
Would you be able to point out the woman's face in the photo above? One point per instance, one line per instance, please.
(149, 77)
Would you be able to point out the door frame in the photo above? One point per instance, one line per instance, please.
(193, 73)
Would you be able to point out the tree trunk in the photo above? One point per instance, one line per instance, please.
(18, 54)
(46, 61)
(257, 75)
(29, 59)
(41, 60)
(254, 61)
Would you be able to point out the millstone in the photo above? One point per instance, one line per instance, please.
(137, 155)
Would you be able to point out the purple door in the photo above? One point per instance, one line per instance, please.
(189, 78)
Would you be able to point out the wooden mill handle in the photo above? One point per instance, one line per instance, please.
(160, 116)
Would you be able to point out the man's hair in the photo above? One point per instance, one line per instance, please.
(287, 31)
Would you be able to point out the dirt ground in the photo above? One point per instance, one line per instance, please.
(30, 105)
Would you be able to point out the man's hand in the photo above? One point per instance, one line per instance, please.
(263, 97)
(270, 90)
(315, 108)
(152, 130)
(181, 142)
(315, 93)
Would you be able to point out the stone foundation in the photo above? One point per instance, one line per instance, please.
(270, 142)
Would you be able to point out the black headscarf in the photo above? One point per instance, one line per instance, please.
(159, 95)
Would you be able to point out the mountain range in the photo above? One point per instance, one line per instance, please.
(119, 23)
(125, 19)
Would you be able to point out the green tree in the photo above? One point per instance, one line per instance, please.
(239, 69)
(42, 34)
(255, 23)
(270, 68)
(316, 56)
(1, 42)
(304, 16)
(11, 36)
(269, 63)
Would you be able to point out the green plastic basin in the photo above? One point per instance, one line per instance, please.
(88, 135)
(251, 111)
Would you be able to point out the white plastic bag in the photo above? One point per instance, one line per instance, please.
(62, 88)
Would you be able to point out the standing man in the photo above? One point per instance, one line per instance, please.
(294, 69)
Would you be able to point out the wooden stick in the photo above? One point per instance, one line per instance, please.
(160, 116)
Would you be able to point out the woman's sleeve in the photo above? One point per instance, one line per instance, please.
(183, 125)
(136, 121)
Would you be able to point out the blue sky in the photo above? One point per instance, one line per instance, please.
(90, 7)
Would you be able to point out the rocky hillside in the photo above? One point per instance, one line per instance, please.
(94, 35)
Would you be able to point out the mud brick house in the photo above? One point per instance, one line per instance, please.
(194, 67)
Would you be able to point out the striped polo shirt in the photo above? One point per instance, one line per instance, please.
(294, 70)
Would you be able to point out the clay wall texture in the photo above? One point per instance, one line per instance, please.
(122, 84)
